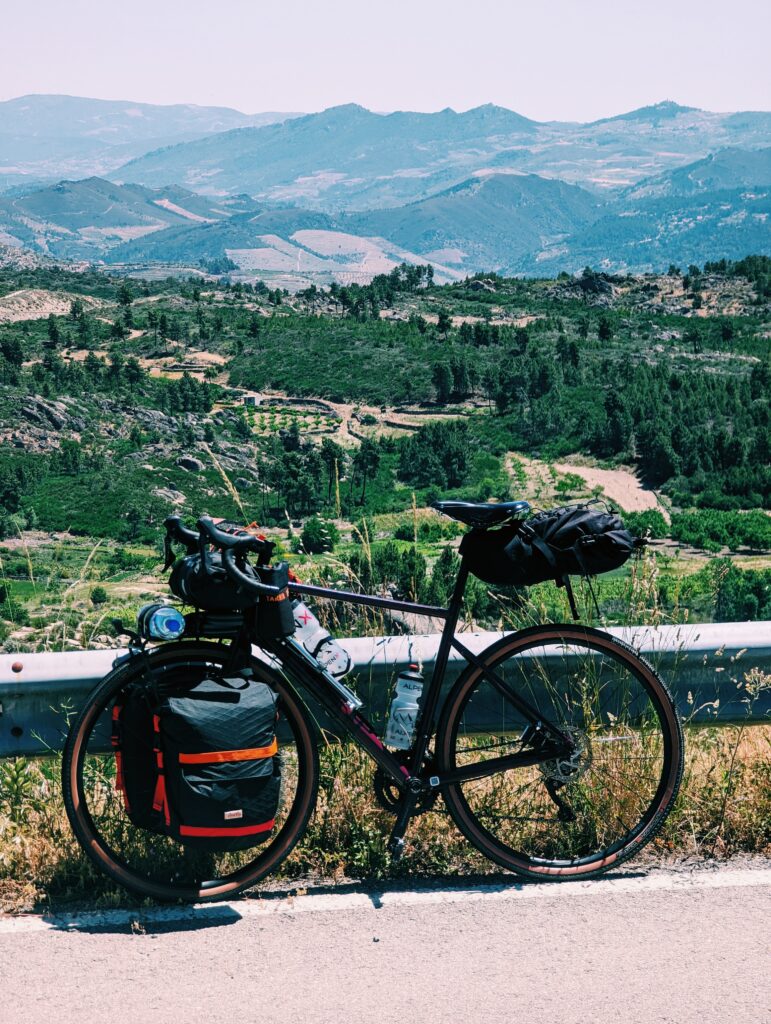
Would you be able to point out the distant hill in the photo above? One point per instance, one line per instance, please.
(192, 243)
(487, 222)
(82, 219)
(57, 136)
(350, 159)
(655, 232)
(346, 149)
(507, 222)
(715, 208)
(346, 193)
(290, 246)
(727, 169)
(653, 113)
(484, 223)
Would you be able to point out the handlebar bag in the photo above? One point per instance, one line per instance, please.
(208, 585)
(201, 765)
(576, 540)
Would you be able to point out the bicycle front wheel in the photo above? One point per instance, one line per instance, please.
(157, 866)
(573, 817)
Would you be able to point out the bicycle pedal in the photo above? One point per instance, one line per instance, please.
(396, 848)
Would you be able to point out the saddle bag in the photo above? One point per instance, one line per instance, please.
(201, 764)
(576, 540)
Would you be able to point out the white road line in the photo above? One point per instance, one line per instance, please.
(373, 900)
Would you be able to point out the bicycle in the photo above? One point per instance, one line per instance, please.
(558, 751)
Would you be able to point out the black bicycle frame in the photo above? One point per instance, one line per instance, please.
(343, 706)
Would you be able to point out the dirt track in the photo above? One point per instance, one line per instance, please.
(619, 485)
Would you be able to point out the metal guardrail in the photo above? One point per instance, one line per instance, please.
(704, 666)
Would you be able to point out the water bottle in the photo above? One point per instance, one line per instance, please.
(317, 641)
(160, 622)
(404, 709)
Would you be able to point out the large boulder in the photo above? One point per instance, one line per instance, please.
(190, 463)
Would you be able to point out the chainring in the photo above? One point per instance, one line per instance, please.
(389, 795)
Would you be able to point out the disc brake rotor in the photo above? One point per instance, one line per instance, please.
(569, 769)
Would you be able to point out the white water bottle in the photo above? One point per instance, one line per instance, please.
(317, 641)
(404, 709)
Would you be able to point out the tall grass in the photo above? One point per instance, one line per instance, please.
(724, 809)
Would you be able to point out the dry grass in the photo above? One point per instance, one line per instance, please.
(724, 809)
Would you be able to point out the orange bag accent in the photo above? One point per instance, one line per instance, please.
(252, 528)
(242, 830)
(160, 803)
(120, 786)
(218, 756)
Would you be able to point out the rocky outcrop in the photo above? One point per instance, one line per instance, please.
(59, 415)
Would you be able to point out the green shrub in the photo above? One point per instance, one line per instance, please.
(650, 523)
(319, 535)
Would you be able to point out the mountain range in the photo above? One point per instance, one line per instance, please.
(46, 137)
(348, 158)
(347, 193)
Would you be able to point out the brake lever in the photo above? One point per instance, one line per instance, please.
(175, 531)
(135, 640)
(168, 552)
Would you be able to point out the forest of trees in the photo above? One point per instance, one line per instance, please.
(692, 414)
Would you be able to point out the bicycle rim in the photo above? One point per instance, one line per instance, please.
(582, 815)
(158, 866)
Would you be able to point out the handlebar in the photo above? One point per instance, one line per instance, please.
(231, 545)
(175, 530)
(229, 561)
(229, 542)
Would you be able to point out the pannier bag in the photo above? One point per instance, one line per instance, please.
(576, 540)
(200, 765)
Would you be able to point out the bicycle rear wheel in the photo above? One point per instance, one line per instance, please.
(576, 817)
(158, 866)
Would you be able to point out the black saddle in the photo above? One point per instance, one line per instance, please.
(481, 515)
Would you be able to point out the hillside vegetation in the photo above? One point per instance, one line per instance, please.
(372, 401)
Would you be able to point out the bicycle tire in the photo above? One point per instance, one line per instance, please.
(154, 866)
(619, 786)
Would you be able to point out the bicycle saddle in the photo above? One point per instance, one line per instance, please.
(482, 515)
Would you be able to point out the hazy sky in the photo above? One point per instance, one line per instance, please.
(547, 59)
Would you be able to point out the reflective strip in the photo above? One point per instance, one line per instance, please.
(216, 756)
(242, 830)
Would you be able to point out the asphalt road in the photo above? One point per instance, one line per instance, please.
(680, 947)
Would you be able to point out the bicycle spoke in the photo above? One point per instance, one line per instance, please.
(571, 809)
